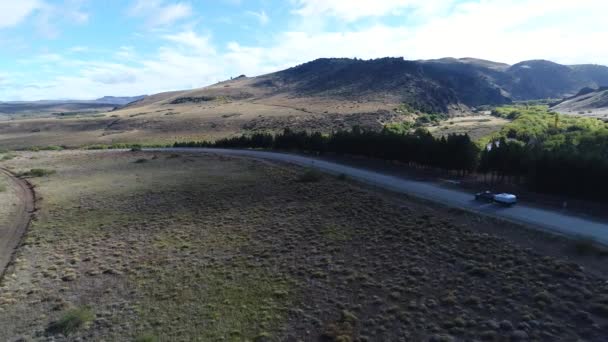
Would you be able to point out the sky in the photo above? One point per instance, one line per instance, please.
(85, 49)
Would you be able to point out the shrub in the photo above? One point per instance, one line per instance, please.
(310, 176)
(142, 160)
(147, 337)
(52, 148)
(135, 148)
(8, 156)
(585, 246)
(37, 173)
(71, 321)
(96, 147)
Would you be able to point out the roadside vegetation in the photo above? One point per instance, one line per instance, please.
(36, 173)
(455, 152)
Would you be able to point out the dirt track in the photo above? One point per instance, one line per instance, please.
(11, 236)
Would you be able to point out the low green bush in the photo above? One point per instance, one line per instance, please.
(310, 176)
(71, 321)
(147, 337)
(37, 173)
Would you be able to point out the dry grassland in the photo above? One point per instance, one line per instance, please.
(162, 247)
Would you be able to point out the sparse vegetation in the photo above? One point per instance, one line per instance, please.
(7, 156)
(310, 176)
(71, 321)
(147, 337)
(205, 247)
(122, 146)
(589, 247)
(37, 173)
(136, 148)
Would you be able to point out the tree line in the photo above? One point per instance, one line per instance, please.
(564, 170)
(454, 152)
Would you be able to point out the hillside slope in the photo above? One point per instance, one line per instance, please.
(588, 102)
(425, 86)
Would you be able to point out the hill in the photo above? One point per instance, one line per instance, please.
(446, 85)
(324, 95)
(588, 102)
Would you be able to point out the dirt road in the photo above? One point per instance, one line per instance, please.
(13, 232)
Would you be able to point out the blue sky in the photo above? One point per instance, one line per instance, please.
(85, 49)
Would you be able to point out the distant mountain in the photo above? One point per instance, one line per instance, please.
(540, 79)
(597, 73)
(531, 80)
(105, 103)
(119, 101)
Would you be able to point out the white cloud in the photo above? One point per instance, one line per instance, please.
(12, 12)
(78, 48)
(196, 43)
(351, 10)
(159, 13)
(44, 15)
(560, 30)
(261, 16)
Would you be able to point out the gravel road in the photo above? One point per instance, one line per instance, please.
(551, 221)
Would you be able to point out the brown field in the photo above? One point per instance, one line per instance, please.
(225, 109)
(476, 126)
(158, 120)
(163, 247)
(221, 110)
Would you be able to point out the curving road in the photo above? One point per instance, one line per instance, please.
(542, 219)
(11, 235)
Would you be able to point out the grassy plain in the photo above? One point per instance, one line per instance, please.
(8, 199)
(184, 247)
(476, 126)
(164, 122)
